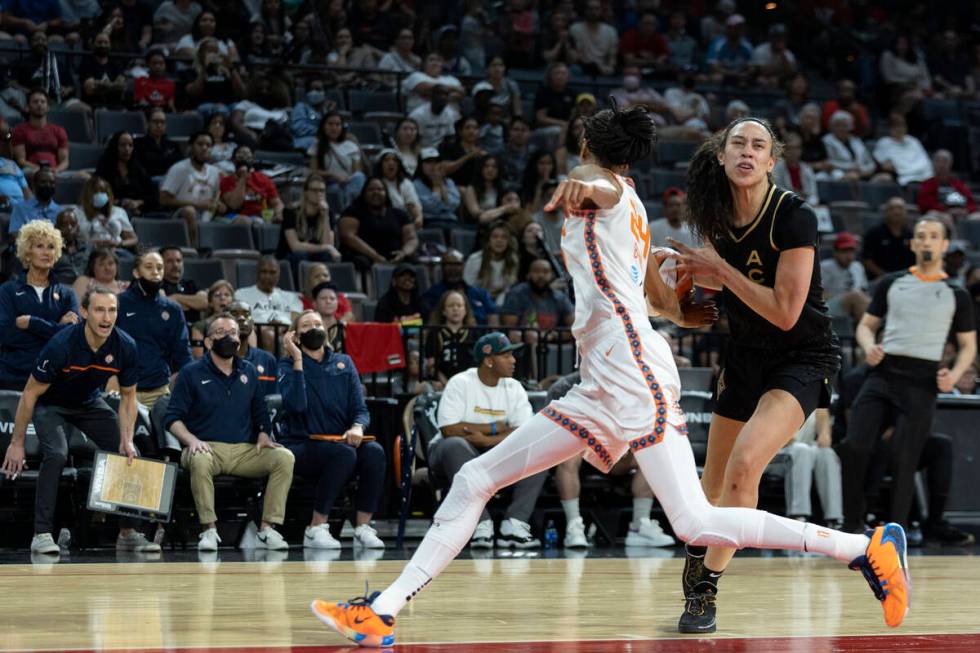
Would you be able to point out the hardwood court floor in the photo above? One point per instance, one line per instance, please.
(490, 606)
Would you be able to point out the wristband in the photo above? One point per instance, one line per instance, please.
(493, 428)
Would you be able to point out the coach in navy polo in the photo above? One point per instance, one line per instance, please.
(157, 324)
(217, 410)
(65, 387)
(264, 362)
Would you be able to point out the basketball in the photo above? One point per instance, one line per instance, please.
(681, 283)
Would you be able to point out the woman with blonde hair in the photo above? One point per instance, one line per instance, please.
(34, 306)
(494, 266)
(307, 234)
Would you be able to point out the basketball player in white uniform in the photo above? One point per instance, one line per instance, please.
(627, 400)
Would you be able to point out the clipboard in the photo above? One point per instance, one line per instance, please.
(144, 490)
(323, 437)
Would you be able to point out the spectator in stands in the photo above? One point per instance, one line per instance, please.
(317, 274)
(401, 189)
(372, 231)
(811, 457)
(221, 148)
(672, 225)
(41, 70)
(531, 247)
(402, 302)
(478, 409)
(191, 187)
(845, 285)
(904, 70)
(551, 222)
(505, 91)
(408, 144)
(736, 110)
(174, 19)
(643, 46)
(270, 304)
(101, 223)
(949, 67)
(786, 112)
(814, 151)
(326, 416)
(516, 152)
(40, 207)
(482, 304)
(631, 94)
(792, 173)
(449, 351)
(205, 26)
(36, 142)
(900, 155)
(307, 234)
(541, 169)
(213, 84)
(483, 199)
(688, 107)
(491, 115)
(535, 305)
(907, 370)
(264, 362)
(338, 157)
(158, 327)
(13, 184)
(250, 196)
(28, 18)
(154, 151)
(846, 100)
(306, 115)
(848, 157)
(183, 291)
(435, 119)
(944, 192)
(461, 155)
(773, 59)
(34, 306)
(419, 86)
(446, 40)
(713, 25)
(326, 303)
(228, 433)
(103, 79)
(597, 42)
(681, 46)
(219, 297)
(554, 101)
(131, 186)
(954, 262)
(438, 194)
(729, 57)
(475, 34)
(494, 266)
(348, 54)
(65, 388)
(272, 15)
(132, 26)
(886, 246)
(555, 44)
(400, 58)
(102, 270)
(74, 254)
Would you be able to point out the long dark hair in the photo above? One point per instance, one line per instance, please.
(710, 205)
(400, 175)
(480, 184)
(530, 181)
(360, 205)
(322, 142)
(108, 166)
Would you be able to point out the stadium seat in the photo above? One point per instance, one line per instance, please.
(75, 123)
(837, 191)
(696, 378)
(363, 102)
(218, 237)
(335, 200)
(367, 310)
(877, 194)
(432, 236)
(83, 156)
(970, 230)
(848, 215)
(68, 190)
(463, 239)
(181, 126)
(108, 123)
(367, 133)
(671, 152)
(661, 180)
(159, 233)
(381, 274)
(203, 272)
(267, 237)
(295, 159)
(344, 276)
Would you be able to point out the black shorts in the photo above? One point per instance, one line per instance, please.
(750, 373)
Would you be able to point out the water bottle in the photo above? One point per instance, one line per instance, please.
(551, 535)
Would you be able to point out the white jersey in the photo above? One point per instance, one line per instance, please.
(606, 253)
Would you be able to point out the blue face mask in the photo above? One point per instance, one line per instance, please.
(100, 199)
(315, 97)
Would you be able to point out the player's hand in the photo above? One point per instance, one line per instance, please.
(695, 315)
(875, 355)
(944, 380)
(289, 344)
(354, 437)
(570, 193)
(697, 261)
(14, 462)
(199, 446)
(127, 449)
(23, 321)
(265, 442)
(69, 318)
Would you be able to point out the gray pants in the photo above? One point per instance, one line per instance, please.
(449, 454)
(811, 461)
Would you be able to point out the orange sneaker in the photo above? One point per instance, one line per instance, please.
(356, 621)
(885, 567)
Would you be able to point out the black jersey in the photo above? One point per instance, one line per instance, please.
(784, 222)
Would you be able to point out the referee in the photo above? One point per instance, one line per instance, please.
(65, 387)
(919, 307)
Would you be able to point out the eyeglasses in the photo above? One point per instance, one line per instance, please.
(316, 189)
(220, 333)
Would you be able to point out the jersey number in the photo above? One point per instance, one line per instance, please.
(640, 230)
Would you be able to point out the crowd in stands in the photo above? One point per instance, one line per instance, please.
(423, 139)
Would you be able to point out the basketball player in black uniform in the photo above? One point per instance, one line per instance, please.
(761, 252)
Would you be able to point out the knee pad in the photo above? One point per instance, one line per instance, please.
(696, 526)
(471, 486)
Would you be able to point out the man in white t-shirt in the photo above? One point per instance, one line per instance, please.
(191, 186)
(418, 86)
(479, 408)
(436, 119)
(596, 41)
(672, 224)
(270, 304)
(845, 285)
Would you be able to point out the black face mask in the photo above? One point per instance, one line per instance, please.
(101, 51)
(225, 347)
(44, 193)
(151, 288)
(313, 339)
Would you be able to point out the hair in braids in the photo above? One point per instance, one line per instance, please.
(710, 205)
(620, 137)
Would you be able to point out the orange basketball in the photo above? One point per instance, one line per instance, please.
(682, 283)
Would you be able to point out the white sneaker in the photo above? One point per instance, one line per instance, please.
(208, 540)
(136, 541)
(483, 535)
(44, 543)
(648, 533)
(269, 538)
(575, 534)
(367, 537)
(319, 537)
(517, 534)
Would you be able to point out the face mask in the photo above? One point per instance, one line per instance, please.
(631, 82)
(225, 347)
(151, 288)
(44, 193)
(313, 339)
(101, 51)
(315, 97)
(100, 199)
(927, 256)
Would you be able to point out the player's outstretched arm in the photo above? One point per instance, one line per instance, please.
(586, 185)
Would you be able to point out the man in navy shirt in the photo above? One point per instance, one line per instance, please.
(484, 308)
(65, 387)
(41, 207)
(157, 324)
(264, 362)
(218, 412)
